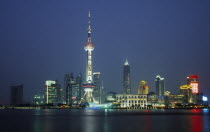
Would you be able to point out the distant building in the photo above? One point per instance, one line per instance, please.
(16, 94)
(160, 88)
(103, 93)
(79, 88)
(97, 89)
(52, 91)
(38, 99)
(63, 96)
(152, 98)
(192, 80)
(126, 78)
(200, 99)
(58, 89)
(73, 89)
(132, 101)
(110, 97)
(143, 88)
(173, 100)
(66, 85)
(186, 90)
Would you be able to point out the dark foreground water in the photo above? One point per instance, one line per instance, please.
(80, 120)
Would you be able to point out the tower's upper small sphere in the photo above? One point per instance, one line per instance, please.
(89, 46)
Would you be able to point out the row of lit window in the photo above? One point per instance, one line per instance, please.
(131, 97)
(134, 101)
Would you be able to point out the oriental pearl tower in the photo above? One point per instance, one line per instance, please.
(88, 85)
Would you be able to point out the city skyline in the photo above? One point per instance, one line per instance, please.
(42, 55)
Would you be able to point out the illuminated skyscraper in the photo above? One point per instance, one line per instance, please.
(126, 78)
(66, 88)
(52, 91)
(160, 88)
(186, 90)
(192, 80)
(97, 90)
(88, 85)
(73, 89)
(79, 88)
(143, 88)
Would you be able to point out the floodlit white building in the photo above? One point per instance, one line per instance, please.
(131, 100)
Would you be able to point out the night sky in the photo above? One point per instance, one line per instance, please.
(44, 39)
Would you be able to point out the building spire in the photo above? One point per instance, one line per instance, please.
(126, 62)
(89, 29)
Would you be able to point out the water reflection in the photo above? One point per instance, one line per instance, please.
(105, 120)
(36, 124)
(147, 124)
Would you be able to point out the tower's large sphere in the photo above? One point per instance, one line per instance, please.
(89, 46)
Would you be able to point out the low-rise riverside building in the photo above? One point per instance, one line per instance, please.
(132, 101)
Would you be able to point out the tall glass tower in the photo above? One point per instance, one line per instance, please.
(126, 78)
(97, 90)
(160, 87)
(89, 47)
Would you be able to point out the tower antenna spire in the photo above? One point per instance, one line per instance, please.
(89, 29)
(89, 47)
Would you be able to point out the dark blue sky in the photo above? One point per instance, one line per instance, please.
(44, 39)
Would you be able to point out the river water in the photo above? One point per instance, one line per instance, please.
(105, 120)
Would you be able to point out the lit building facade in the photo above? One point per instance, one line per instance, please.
(79, 82)
(132, 101)
(58, 88)
(16, 94)
(126, 78)
(110, 97)
(160, 88)
(73, 89)
(97, 90)
(186, 90)
(173, 100)
(88, 85)
(143, 87)
(38, 99)
(52, 91)
(192, 80)
(152, 98)
(66, 85)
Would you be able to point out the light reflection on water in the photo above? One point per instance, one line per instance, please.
(106, 120)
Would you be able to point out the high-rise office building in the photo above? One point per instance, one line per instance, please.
(16, 94)
(103, 93)
(66, 85)
(88, 85)
(79, 87)
(160, 88)
(186, 90)
(73, 90)
(126, 78)
(58, 88)
(143, 87)
(52, 91)
(97, 90)
(192, 80)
